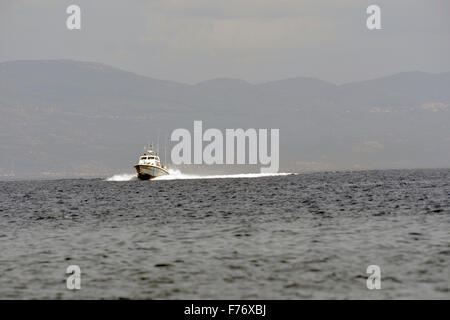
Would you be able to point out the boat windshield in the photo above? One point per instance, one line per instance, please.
(153, 158)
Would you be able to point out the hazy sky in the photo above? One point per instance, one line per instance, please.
(255, 40)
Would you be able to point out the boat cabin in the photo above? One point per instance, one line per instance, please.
(150, 160)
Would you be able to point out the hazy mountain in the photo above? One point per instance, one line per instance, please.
(76, 118)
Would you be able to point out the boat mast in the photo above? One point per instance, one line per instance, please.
(157, 141)
(165, 153)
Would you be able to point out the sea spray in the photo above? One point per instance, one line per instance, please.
(122, 177)
(178, 175)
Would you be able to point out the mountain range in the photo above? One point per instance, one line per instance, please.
(63, 118)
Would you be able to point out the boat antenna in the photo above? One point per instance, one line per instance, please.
(157, 146)
(165, 151)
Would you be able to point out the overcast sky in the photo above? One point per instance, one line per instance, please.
(255, 40)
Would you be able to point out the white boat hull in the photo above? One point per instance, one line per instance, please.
(146, 171)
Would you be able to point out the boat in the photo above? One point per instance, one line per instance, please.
(150, 166)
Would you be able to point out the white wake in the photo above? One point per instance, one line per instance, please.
(122, 177)
(178, 175)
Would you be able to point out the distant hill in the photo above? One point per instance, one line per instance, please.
(69, 118)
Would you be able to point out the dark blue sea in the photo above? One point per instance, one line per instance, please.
(303, 236)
